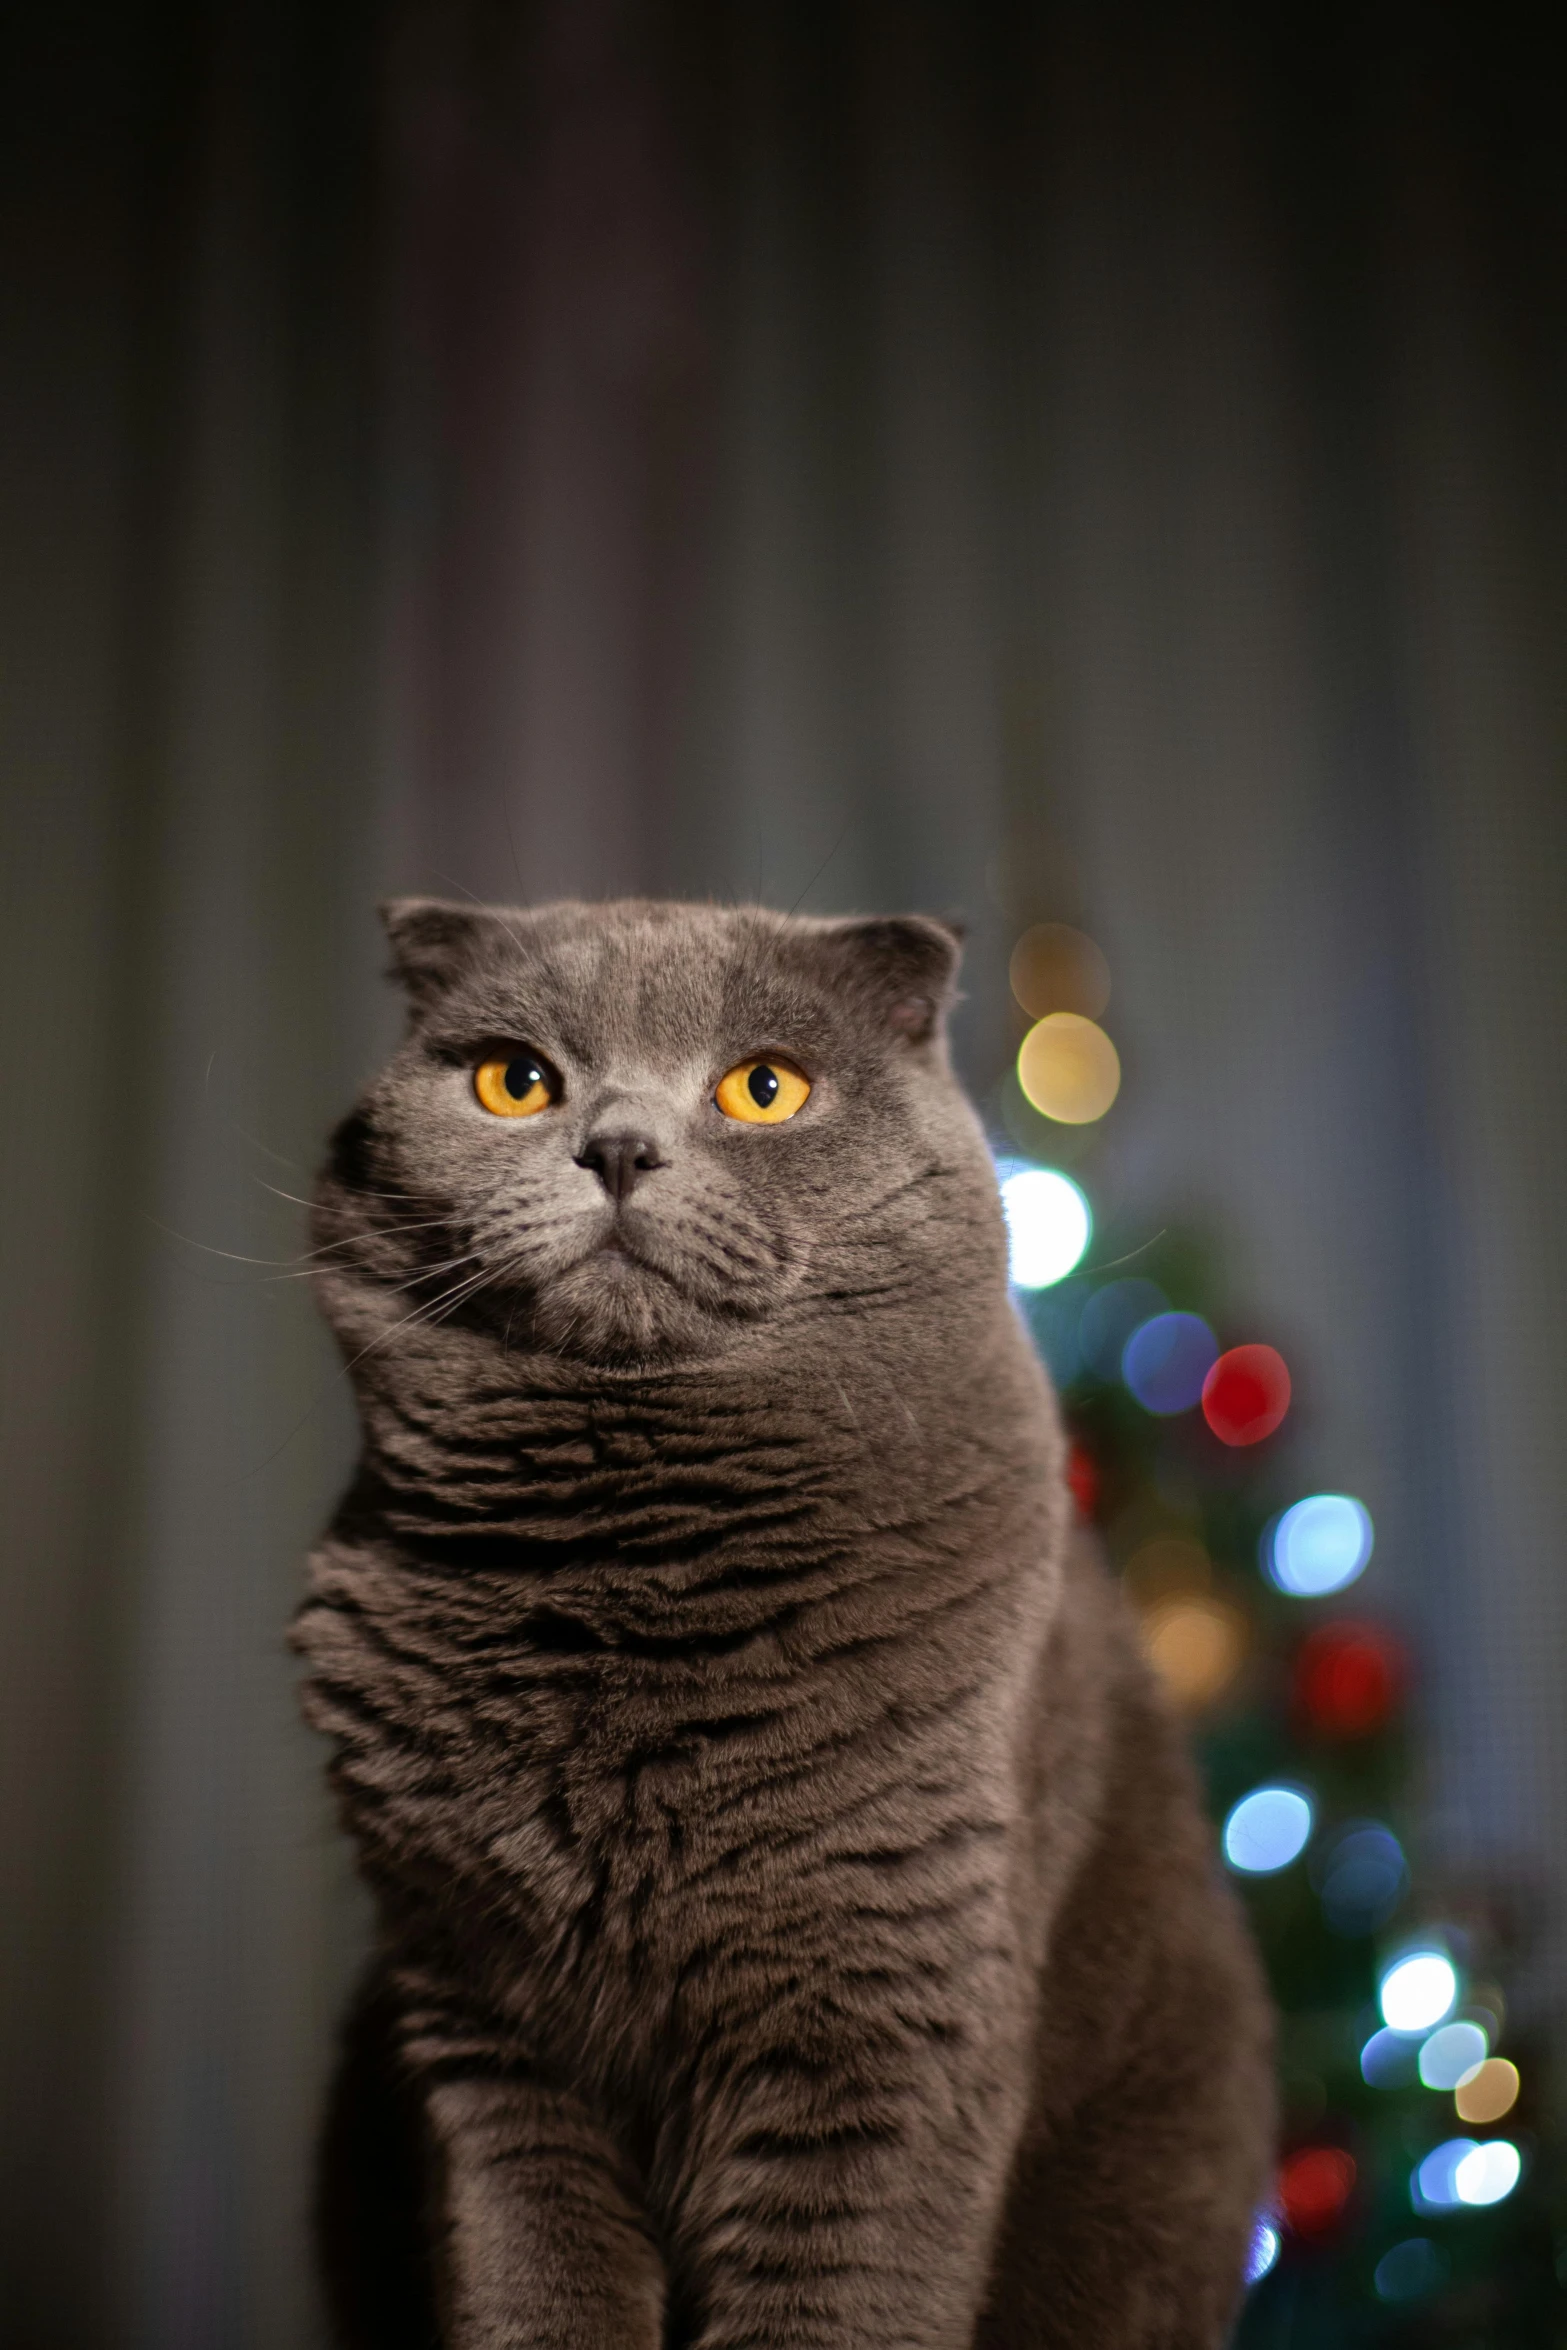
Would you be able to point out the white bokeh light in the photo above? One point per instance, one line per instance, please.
(1048, 1225)
(1418, 1991)
(1319, 1545)
(1267, 1830)
(1489, 2173)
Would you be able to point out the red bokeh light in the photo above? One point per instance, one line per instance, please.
(1246, 1394)
(1348, 1679)
(1314, 2187)
(1083, 1480)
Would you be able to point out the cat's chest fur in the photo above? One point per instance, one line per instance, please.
(614, 1680)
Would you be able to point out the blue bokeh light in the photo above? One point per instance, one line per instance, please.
(1362, 1876)
(1319, 1545)
(1452, 2052)
(1433, 2186)
(1263, 2250)
(1410, 2269)
(1110, 1317)
(1389, 2060)
(1267, 1829)
(1166, 1360)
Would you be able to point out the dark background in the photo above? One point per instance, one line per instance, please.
(1038, 462)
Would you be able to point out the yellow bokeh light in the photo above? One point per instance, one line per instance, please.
(1488, 2092)
(1165, 1566)
(1069, 1069)
(1057, 969)
(1196, 1646)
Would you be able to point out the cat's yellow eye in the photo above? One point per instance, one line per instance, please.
(762, 1093)
(513, 1085)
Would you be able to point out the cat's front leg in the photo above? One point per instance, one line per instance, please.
(849, 2205)
(542, 2243)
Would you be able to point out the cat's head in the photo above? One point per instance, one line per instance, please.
(630, 1131)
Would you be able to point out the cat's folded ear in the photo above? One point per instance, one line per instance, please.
(431, 940)
(905, 965)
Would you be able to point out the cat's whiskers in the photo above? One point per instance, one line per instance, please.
(360, 1191)
(310, 1264)
(421, 1313)
(295, 1268)
(441, 1309)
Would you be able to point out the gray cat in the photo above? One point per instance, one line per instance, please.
(798, 1929)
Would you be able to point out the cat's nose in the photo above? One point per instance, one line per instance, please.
(620, 1160)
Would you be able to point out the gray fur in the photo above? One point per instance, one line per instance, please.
(797, 1925)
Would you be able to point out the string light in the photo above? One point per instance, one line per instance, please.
(1418, 1991)
(1267, 1830)
(1319, 1545)
(1149, 1487)
(1068, 1069)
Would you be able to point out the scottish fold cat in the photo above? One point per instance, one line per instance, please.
(798, 1930)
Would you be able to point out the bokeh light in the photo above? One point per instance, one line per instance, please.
(1082, 1480)
(1049, 1225)
(1388, 2060)
(1489, 2091)
(1432, 2187)
(1348, 1679)
(1414, 2267)
(1165, 1362)
(1267, 1829)
(1167, 1565)
(1362, 1876)
(1314, 2186)
(1319, 1545)
(1057, 969)
(1196, 1644)
(1418, 1991)
(1452, 2051)
(1246, 1394)
(1263, 2250)
(1110, 1317)
(1069, 1069)
(1488, 2174)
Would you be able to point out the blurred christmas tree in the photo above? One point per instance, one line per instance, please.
(1415, 2194)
